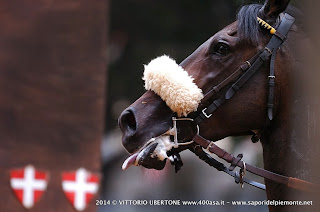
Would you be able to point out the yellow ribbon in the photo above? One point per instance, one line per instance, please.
(266, 25)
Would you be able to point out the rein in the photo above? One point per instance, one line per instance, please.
(241, 76)
(290, 182)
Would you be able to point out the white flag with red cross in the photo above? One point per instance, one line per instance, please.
(80, 187)
(28, 184)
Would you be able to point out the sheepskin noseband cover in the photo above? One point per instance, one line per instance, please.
(173, 84)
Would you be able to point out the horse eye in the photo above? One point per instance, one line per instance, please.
(221, 49)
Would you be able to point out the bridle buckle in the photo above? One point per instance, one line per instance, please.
(205, 114)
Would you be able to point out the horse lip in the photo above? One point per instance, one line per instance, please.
(146, 153)
(144, 158)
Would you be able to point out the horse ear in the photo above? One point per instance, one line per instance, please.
(272, 8)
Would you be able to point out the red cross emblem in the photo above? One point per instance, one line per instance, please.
(79, 187)
(28, 184)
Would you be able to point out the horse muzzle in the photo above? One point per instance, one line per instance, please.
(166, 146)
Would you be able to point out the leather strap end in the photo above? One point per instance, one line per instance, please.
(230, 93)
(270, 114)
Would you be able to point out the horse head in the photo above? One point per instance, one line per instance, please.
(150, 118)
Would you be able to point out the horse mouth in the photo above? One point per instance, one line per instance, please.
(152, 155)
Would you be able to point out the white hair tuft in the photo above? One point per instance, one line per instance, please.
(173, 84)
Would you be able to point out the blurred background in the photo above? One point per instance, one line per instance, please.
(69, 68)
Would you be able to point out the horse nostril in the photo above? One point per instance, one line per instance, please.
(127, 121)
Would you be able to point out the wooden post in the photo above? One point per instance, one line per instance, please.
(52, 92)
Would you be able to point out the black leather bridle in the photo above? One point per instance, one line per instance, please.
(247, 70)
(204, 147)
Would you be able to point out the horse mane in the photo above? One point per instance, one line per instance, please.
(248, 27)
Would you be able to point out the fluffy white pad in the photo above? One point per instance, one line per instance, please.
(173, 84)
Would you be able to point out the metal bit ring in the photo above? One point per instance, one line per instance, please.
(242, 174)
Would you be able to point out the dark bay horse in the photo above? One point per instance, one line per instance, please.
(285, 139)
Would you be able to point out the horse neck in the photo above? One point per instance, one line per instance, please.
(286, 147)
(286, 151)
(287, 141)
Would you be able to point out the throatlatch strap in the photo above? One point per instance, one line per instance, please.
(273, 46)
(272, 84)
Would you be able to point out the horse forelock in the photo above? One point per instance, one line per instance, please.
(248, 27)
